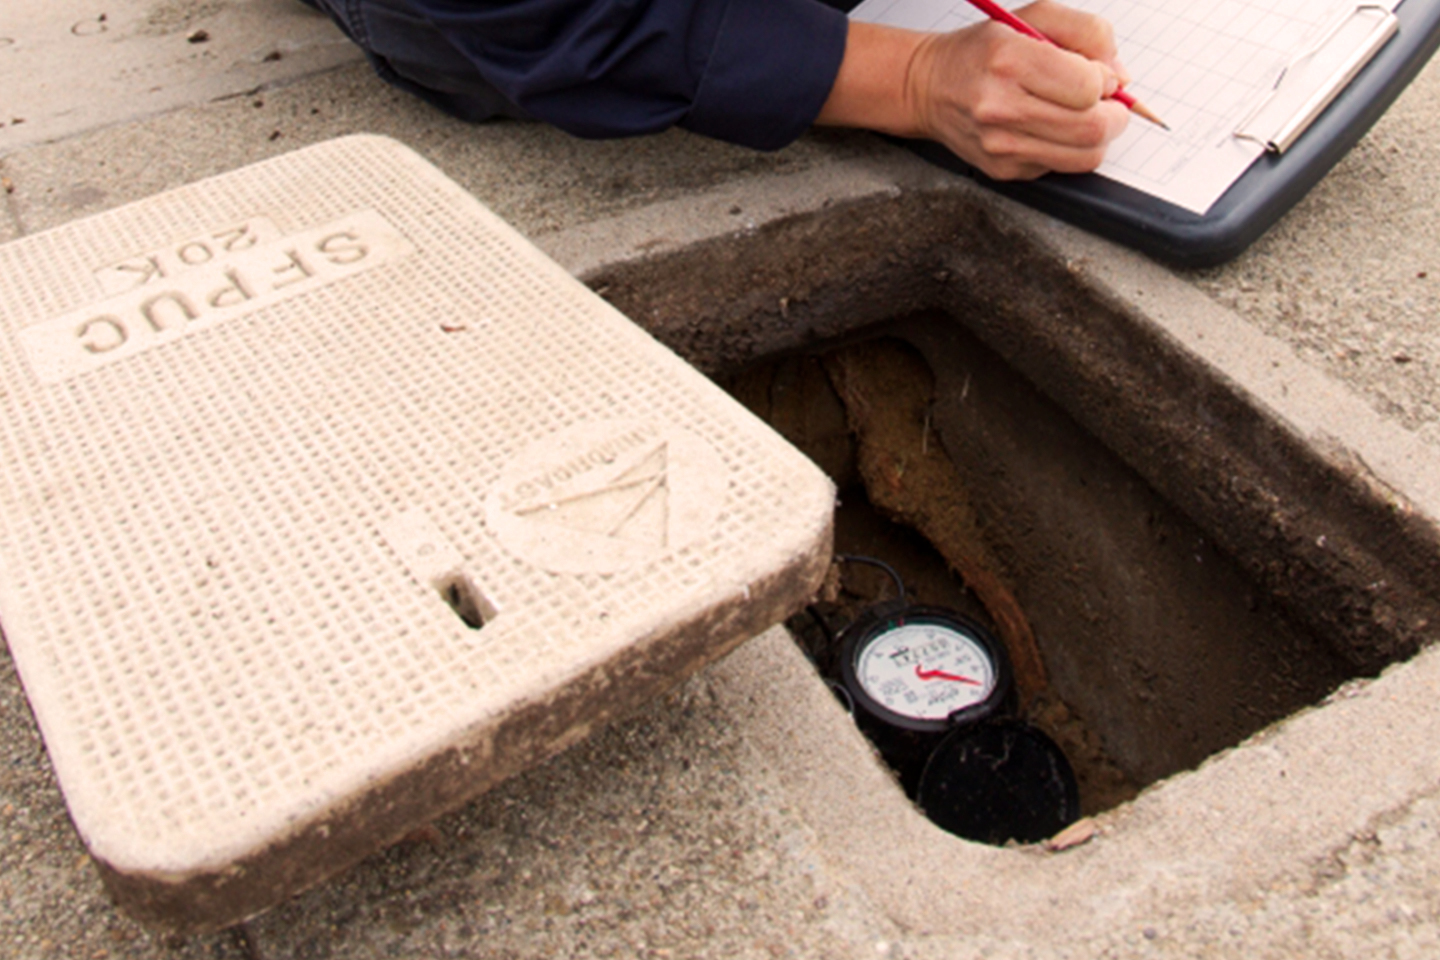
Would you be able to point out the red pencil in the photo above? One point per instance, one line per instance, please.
(994, 11)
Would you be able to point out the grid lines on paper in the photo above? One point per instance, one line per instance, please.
(1202, 69)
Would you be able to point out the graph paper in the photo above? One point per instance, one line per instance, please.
(1203, 67)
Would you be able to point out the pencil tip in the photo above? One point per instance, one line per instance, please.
(1145, 112)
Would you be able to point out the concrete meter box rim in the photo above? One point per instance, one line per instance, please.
(327, 502)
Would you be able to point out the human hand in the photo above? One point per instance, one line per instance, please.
(1015, 107)
(1011, 106)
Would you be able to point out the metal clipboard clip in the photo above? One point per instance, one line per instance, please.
(1317, 75)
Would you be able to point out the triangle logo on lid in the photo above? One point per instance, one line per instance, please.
(631, 504)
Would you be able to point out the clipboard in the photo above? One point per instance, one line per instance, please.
(1301, 148)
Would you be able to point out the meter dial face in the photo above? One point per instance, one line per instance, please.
(925, 671)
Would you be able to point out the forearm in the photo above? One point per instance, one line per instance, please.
(874, 88)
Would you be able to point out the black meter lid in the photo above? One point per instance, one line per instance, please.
(999, 781)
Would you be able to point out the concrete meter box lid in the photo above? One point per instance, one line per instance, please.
(327, 502)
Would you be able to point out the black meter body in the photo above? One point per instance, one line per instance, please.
(924, 669)
(933, 691)
(915, 673)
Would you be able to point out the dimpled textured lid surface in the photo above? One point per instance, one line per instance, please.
(327, 501)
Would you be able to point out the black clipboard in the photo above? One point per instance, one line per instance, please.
(1270, 187)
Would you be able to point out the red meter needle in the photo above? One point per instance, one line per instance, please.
(942, 675)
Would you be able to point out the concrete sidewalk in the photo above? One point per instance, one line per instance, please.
(73, 66)
(700, 828)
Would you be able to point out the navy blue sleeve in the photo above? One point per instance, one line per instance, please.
(751, 72)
